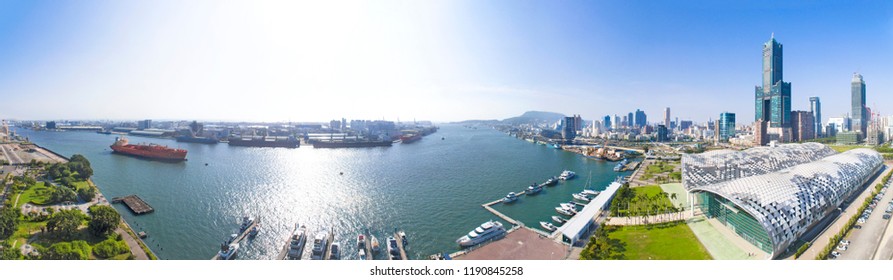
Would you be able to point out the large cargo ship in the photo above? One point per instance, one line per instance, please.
(151, 151)
(265, 141)
(350, 144)
(409, 138)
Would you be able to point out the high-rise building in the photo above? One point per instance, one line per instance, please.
(618, 123)
(578, 122)
(629, 120)
(773, 98)
(51, 125)
(662, 133)
(803, 126)
(667, 117)
(726, 126)
(640, 118)
(860, 115)
(144, 124)
(625, 122)
(759, 133)
(607, 122)
(568, 129)
(815, 106)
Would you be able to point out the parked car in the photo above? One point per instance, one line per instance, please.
(842, 247)
(844, 242)
(886, 216)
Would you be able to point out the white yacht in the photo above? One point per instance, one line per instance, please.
(567, 175)
(335, 254)
(319, 245)
(228, 251)
(487, 231)
(590, 192)
(581, 197)
(565, 211)
(548, 226)
(533, 189)
(296, 243)
(509, 198)
(558, 219)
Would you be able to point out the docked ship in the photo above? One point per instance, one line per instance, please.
(265, 141)
(481, 234)
(319, 246)
(409, 138)
(350, 143)
(296, 243)
(151, 151)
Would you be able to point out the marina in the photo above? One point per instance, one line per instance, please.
(246, 227)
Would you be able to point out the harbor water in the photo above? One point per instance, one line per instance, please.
(432, 189)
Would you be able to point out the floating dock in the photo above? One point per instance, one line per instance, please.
(400, 246)
(135, 204)
(369, 253)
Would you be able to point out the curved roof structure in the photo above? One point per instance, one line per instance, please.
(723, 165)
(789, 201)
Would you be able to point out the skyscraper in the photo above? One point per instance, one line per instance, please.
(629, 120)
(568, 128)
(815, 106)
(667, 117)
(773, 98)
(860, 115)
(803, 126)
(607, 122)
(726, 126)
(662, 133)
(640, 118)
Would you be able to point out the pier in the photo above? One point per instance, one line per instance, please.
(369, 253)
(240, 237)
(328, 251)
(135, 204)
(499, 214)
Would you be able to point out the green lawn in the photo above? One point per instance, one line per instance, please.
(844, 148)
(671, 241)
(649, 191)
(37, 194)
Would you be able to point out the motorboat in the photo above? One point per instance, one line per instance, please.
(393, 250)
(565, 211)
(296, 243)
(362, 254)
(590, 192)
(361, 241)
(552, 181)
(320, 241)
(247, 222)
(335, 253)
(375, 246)
(568, 205)
(488, 230)
(533, 189)
(581, 197)
(548, 226)
(254, 231)
(558, 219)
(402, 235)
(567, 175)
(509, 198)
(228, 251)
(232, 238)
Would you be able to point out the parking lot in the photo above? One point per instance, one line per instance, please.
(865, 238)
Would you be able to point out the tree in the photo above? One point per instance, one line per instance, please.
(104, 220)
(8, 252)
(87, 194)
(65, 223)
(110, 248)
(75, 250)
(9, 218)
(62, 194)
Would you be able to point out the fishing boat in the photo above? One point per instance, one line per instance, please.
(402, 235)
(509, 198)
(558, 219)
(319, 245)
(548, 226)
(362, 254)
(228, 251)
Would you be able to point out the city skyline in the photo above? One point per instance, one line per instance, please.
(441, 61)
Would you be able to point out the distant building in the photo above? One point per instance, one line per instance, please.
(875, 137)
(849, 137)
(726, 126)
(859, 113)
(760, 136)
(802, 126)
(618, 123)
(662, 133)
(51, 125)
(641, 120)
(629, 120)
(578, 123)
(667, 117)
(773, 98)
(568, 129)
(841, 124)
(624, 122)
(683, 125)
(815, 106)
(335, 125)
(831, 130)
(144, 124)
(607, 122)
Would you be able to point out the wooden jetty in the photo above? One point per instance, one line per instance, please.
(369, 253)
(400, 246)
(240, 237)
(499, 214)
(330, 238)
(135, 204)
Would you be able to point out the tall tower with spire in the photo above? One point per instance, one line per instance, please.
(860, 113)
(773, 97)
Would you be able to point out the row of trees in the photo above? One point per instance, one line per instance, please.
(600, 247)
(638, 205)
(64, 224)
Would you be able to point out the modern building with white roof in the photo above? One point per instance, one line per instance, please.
(772, 200)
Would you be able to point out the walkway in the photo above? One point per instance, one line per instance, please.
(654, 219)
(722, 243)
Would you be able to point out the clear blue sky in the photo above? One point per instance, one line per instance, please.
(437, 60)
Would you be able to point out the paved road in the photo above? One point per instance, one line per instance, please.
(865, 241)
(822, 240)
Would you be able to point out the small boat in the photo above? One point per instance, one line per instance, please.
(361, 241)
(509, 198)
(533, 189)
(232, 238)
(247, 222)
(590, 192)
(335, 254)
(567, 175)
(402, 235)
(568, 205)
(254, 231)
(565, 211)
(618, 167)
(375, 246)
(552, 181)
(393, 251)
(581, 197)
(362, 254)
(558, 219)
(548, 226)
(296, 243)
(228, 251)
(319, 245)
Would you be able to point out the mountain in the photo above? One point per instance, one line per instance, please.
(535, 116)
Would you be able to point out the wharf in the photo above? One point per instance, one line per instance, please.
(328, 251)
(499, 214)
(368, 243)
(283, 255)
(135, 204)
(400, 246)
(240, 237)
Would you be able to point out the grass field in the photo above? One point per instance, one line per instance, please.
(671, 241)
(844, 148)
(649, 191)
(37, 194)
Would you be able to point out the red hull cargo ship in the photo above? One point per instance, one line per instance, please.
(151, 151)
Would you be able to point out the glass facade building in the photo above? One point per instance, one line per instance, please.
(815, 106)
(860, 113)
(726, 126)
(772, 201)
(773, 98)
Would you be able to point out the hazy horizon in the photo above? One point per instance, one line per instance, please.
(442, 61)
